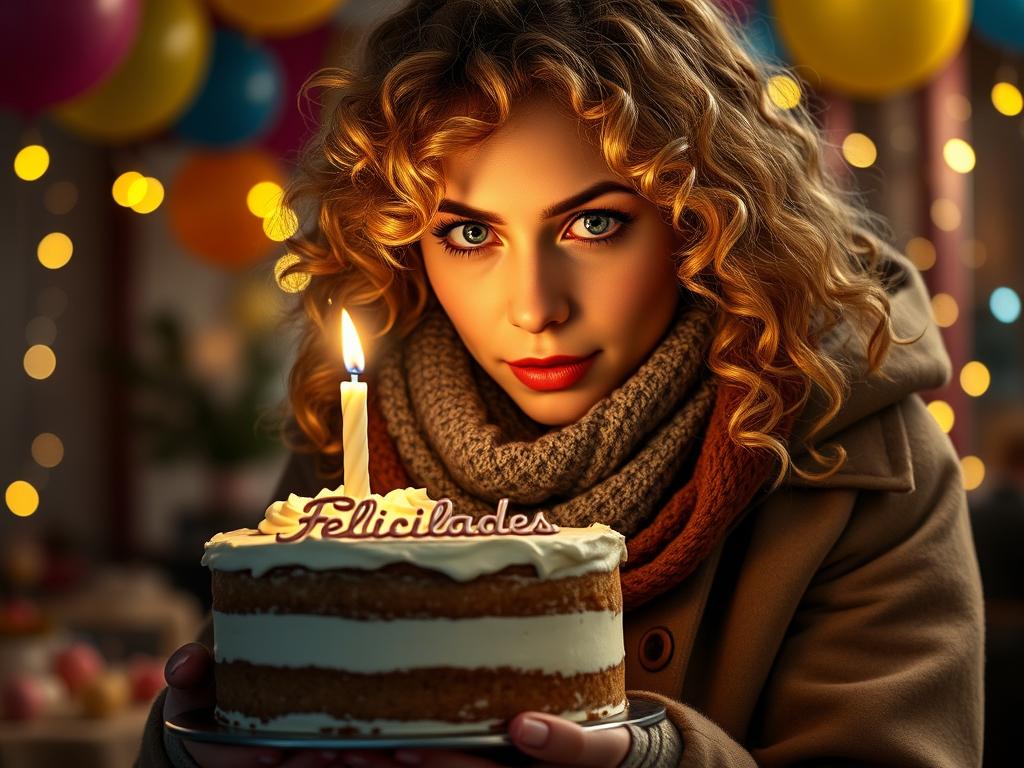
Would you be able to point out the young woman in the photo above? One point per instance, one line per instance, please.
(601, 275)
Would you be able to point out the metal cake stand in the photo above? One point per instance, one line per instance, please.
(200, 725)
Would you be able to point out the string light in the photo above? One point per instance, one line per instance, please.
(31, 162)
(921, 251)
(47, 450)
(973, 470)
(294, 282)
(126, 189)
(1004, 304)
(943, 414)
(975, 378)
(1007, 99)
(281, 224)
(22, 498)
(945, 310)
(946, 214)
(959, 155)
(152, 194)
(264, 198)
(39, 362)
(54, 250)
(859, 150)
(783, 91)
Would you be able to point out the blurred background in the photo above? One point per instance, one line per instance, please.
(144, 361)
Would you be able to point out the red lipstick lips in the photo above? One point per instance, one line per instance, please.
(551, 373)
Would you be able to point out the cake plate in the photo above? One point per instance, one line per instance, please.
(200, 725)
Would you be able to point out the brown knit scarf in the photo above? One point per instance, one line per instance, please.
(652, 459)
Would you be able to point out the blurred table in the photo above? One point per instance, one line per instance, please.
(74, 741)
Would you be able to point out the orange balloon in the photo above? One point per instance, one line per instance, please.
(207, 207)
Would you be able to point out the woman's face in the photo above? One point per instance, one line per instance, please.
(537, 251)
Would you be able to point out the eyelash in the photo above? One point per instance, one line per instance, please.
(624, 219)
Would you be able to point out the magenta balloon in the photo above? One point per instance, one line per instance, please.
(54, 50)
(299, 57)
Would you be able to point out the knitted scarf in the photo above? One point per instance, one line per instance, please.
(652, 459)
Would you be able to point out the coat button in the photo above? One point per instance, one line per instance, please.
(656, 647)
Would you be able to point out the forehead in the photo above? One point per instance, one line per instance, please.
(541, 151)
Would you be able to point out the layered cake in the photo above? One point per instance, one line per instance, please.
(396, 615)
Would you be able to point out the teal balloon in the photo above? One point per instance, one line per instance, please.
(241, 97)
(759, 31)
(1001, 22)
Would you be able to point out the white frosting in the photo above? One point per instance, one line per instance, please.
(568, 643)
(313, 722)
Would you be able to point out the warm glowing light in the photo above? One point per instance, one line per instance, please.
(22, 498)
(152, 195)
(351, 349)
(973, 470)
(47, 450)
(945, 309)
(126, 191)
(1004, 304)
(31, 162)
(921, 251)
(974, 254)
(783, 91)
(281, 224)
(859, 150)
(958, 107)
(54, 250)
(975, 378)
(40, 361)
(1007, 99)
(264, 198)
(293, 282)
(959, 155)
(946, 214)
(943, 413)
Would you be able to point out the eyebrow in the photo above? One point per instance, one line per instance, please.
(450, 206)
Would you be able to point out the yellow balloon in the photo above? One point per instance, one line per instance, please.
(156, 82)
(872, 48)
(274, 18)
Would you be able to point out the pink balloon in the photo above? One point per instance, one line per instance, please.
(299, 57)
(53, 50)
(740, 9)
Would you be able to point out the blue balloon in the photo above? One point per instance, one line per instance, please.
(762, 41)
(241, 97)
(1001, 22)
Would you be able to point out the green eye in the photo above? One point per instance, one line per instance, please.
(597, 224)
(475, 234)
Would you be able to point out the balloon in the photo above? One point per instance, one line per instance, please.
(872, 48)
(207, 209)
(275, 18)
(298, 58)
(1001, 22)
(738, 9)
(241, 96)
(52, 50)
(761, 39)
(155, 83)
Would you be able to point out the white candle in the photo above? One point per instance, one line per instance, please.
(353, 414)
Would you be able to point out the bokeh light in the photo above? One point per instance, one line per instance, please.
(294, 282)
(974, 254)
(39, 361)
(958, 107)
(31, 162)
(264, 198)
(22, 498)
(975, 378)
(973, 470)
(946, 214)
(281, 224)
(126, 191)
(943, 414)
(60, 197)
(54, 250)
(152, 195)
(859, 150)
(959, 155)
(783, 91)
(1004, 304)
(944, 309)
(921, 251)
(47, 450)
(1006, 98)
(41, 330)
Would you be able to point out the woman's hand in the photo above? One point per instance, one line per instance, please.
(552, 740)
(189, 675)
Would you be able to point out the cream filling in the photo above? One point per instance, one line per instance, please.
(566, 643)
(314, 722)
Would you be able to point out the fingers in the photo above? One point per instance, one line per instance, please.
(556, 740)
(189, 675)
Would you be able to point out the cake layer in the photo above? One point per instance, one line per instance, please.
(467, 696)
(401, 590)
(569, 643)
(569, 552)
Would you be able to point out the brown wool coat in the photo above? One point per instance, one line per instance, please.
(840, 623)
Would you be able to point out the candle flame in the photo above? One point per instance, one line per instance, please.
(351, 349)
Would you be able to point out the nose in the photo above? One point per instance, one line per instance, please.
(536, 297)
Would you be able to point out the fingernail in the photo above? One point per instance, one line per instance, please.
(533, 733)
(175, 663)
(408, 758)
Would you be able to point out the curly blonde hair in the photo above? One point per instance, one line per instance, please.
(682, 114)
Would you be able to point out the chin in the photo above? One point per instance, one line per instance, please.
(555, 409)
